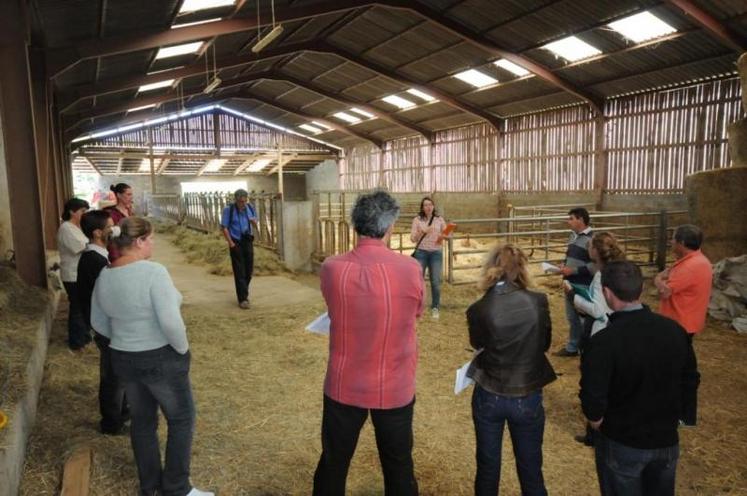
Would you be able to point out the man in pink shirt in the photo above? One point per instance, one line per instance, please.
(685, 288)
(374, 296)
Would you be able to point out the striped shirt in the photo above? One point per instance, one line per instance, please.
(577, 256)
(374, 297)
(429, 242)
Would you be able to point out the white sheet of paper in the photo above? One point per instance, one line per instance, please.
(320, 325)
(462, 381)
(548, 267)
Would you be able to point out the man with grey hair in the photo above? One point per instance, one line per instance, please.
(374, 296)
(238, 221)
(685, 288)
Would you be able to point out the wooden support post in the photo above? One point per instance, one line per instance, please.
(150, 158)
(280, 172)
(600, 160)
(27, 223)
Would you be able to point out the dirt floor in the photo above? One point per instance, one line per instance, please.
(258, 382)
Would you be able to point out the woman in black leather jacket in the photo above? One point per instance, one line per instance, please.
(512, 326)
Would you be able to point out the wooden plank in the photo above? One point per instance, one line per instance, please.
(77, 473)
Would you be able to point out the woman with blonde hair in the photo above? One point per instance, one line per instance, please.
(511, 325)
(136, 306)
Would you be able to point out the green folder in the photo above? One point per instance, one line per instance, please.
(581, 290)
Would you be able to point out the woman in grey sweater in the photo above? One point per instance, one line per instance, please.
(136, 306)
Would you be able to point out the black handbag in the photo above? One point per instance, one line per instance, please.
(422, 237)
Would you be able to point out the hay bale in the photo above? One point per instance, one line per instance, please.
(738, 142)
(716, 200)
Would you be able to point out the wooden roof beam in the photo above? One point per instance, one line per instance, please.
(712, 25)
(333, 125)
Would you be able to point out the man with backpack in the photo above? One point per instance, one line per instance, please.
(238, 221)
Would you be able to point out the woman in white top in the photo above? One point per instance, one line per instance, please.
(136, 306)
(602, 250)
(426, 232)
(71, 242)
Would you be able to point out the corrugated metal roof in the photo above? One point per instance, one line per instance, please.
(419, 50)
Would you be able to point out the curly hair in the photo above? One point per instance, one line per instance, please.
(607, 247)
(504, 263)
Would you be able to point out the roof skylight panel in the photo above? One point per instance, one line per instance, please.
(142, 107)
(195, 23)
(365, 114)
(215, 164)
(475, 78)
(155, 86)
(176, 50)
(642, 27)
(195, 5)
(310, 128)
(258, 165)
(321, 125)
(344, 116)
(572, 49)
(421, 95)
(511, 67)
(398, 101)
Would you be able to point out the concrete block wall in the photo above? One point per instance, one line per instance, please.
(323, 177)
(298, 234)
(23, 413)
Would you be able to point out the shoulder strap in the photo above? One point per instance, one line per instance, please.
(426, 234)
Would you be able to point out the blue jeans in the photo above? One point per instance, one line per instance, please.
(433, 261)
(526, 423)
(576, 323)
(626, 471)
(153, 379)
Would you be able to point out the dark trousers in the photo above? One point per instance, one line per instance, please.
(525, 416)
(153, 379)
(112, 403)
(341, 425)
(242, 262)
(77, 330)
(626, 471)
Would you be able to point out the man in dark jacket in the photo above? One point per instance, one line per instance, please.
(96, 225)
(639, 380)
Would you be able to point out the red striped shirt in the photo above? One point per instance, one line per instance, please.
(374, 296)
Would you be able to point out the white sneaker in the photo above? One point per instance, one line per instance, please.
(197, 492)
(434, 313)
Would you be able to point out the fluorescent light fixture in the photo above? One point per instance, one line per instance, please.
(195, 5)
(511, 67)
(321, 125)
(143, 107)
(269, 37)
(398, 101)
(642, 27)
(420, 94)
(362, 112)
(310, 128)
(475, 78)
(572, 49)
(344, 116)
(155, 86)
(176, 50)
(196, 23)
(215, 164)
(214, 83)
(258, 165)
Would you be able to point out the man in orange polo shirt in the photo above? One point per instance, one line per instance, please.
(685, 288)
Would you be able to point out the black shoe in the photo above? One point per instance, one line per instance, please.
(585, 440)
(565, 353)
